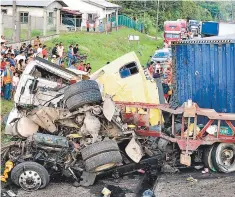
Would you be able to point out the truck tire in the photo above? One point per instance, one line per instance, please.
(79, 87)
(207, 160)
(223, 157)
(99, 147)
(103, 161)
(78, 100)
(31, 171)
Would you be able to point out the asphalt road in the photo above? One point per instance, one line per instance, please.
(166, 185)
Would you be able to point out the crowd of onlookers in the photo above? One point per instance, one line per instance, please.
(162, 74)
(15, 60)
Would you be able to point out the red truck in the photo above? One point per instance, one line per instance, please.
(172, 31)
(183, 23)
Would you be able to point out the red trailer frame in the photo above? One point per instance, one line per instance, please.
(185, 143)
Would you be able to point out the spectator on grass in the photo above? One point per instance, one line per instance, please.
(7, 81)
(39, 50)
(15, 82)
(20, 66)
(62, 64)
(54, 50)
(70, 55)
(23, 47)
(37, 41)
(72, 65)
(54, 60)
(44, 52)
(3, 63)
(60, 51)
(20, 56)
(88, 68)
(81, 66)
(75, 50)
(12, 61)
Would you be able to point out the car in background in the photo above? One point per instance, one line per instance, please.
(68, 23)
(162, 55)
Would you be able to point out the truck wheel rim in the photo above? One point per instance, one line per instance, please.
(227, 157)
(30, 180)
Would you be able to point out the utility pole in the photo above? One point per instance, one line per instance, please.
(157, 16)
(14, 21)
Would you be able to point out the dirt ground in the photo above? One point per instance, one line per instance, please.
(166, 185)
(206, 185)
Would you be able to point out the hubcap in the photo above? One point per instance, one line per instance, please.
(30, 180)
(227, 157)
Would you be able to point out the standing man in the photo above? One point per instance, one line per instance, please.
(87, 26)
(157, 75)
(7, 81)
(55, 50)
(70, 55)
(75, 50)
(44, 52)
(60, 50)
(94, 25)
(36, 41)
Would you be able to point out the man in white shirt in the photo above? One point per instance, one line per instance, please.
(20, 56)
(39, 50)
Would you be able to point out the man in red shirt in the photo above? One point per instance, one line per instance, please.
(81, 66)
(44, 51)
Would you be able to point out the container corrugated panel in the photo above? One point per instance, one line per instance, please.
(205, 72)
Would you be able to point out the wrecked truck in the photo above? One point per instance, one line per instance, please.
(81, 133)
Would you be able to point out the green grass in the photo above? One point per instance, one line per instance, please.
(102, 48)
(6, 107)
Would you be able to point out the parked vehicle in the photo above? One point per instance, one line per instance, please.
(194, 27)
(172, 31)
(209, 28)
(183, 23)
(162, 55)
(68, 23)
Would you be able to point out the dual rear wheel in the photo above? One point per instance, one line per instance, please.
(220, 157)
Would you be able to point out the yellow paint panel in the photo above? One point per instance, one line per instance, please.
(135, 88)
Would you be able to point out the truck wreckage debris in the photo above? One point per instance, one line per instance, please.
(73, 132)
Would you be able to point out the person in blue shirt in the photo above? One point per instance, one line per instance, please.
(70, 55)
(12, 61)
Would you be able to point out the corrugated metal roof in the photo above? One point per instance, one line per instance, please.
(214, 39)
(32, 3)
(74, 12)
(102, 3)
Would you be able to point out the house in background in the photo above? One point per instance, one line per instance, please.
(93, 10)
(40, 12)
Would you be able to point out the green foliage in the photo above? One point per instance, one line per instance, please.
(102, 48)
(173, 10)
(35, 33)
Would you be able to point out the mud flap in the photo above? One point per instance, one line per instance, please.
(134, 150)
(185, 159)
